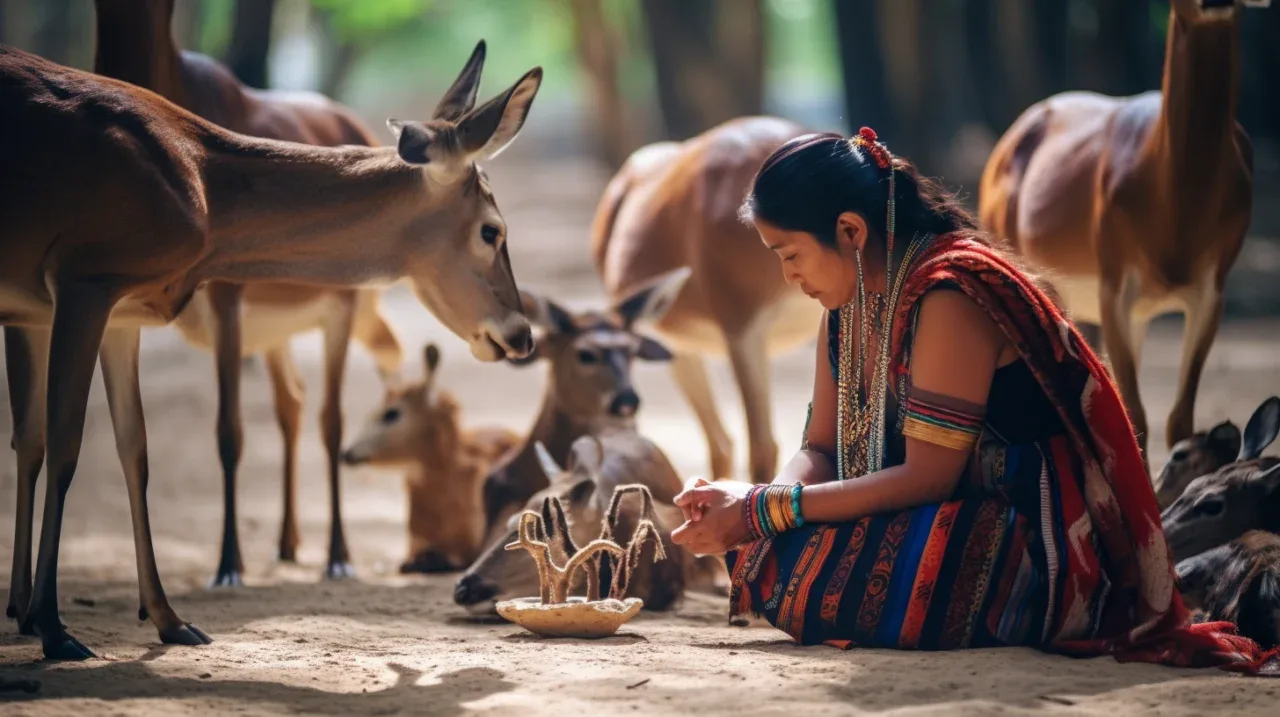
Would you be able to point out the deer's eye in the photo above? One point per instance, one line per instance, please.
(1180, 455)
(587, 357)
(489, 233)
(391, 415)
(1210, 507)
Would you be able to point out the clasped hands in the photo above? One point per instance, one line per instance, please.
(713, 516)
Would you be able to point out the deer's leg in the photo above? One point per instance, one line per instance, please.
(337, 338)
(1118, 297)
(225, 299)
(691, 375)
(1203, 314)
(27, 360)
(371, 328)
(119, 356)
(748, 354)
(289, 392)
(79, 319)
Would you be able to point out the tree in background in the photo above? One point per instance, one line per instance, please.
(708, 59)
(862, 66)
(354, 25)
(600, 47)
(250, 43)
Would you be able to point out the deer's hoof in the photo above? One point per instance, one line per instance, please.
(339, 571)
(185, 634)
(227, 579)
(58, 645)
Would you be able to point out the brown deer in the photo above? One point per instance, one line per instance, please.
(1138, 206)
(589, 357)
(1208, 451)
(598, 464)
(135, 44)
(1222, 506)
(162, 202)
(1238, 582)
(417, 430)
(676, 204)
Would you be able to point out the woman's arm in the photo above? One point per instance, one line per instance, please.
(815, 462)
(953, 360)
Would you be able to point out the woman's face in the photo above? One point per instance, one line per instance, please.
(821, 272)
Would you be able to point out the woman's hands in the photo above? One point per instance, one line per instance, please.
(713, 516)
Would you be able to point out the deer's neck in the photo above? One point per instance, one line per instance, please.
(135, 44)
(334, 216)
(1201, 85)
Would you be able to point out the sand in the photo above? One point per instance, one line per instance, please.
(289, 642)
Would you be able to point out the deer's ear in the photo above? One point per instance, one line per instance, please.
(548, 464)
(651, 350)
(543, 311)
(416, 143)
(581, 491)
(651, 301)
(1261, 430)
(1270, 479)
(487, 130)
(1224, 440)
(461, 96)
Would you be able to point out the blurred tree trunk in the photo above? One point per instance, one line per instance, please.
(1049, 19)
(251, 41)
(708, 56)
(862, 66)
(1125, 46)
(599, 46)
(186, 22)
(53, 37)
(1259, 103)
(1017, 55)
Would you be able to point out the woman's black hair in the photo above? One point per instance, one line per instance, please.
(807, 183)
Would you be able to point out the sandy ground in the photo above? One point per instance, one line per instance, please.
(289, 643)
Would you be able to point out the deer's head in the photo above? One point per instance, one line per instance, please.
(499, 574)
(591, 353)
(1193, 11)
(1239, 582)
(414, 421)
(463, 274)
(1203, 453)
(1222, 506)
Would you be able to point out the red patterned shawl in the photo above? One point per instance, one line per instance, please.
(1119, 575)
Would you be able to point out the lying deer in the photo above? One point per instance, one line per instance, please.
(1208, 451)
(597, 465)
(1238, 582)
(165, 202)
(1137, 205)
(589, 357)
(417, 430)
(1224, 505)
(676, 204)
(135, 44)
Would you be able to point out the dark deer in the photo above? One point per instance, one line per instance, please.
(1238, 582)
(1205, 452)
(1222, 506)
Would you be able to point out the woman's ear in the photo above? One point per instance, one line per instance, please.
(851, 232)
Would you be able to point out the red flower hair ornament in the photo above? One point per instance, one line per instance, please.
(867, 140)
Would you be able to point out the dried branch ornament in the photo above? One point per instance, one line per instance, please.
(555, 613)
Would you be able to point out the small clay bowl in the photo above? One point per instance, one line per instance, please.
(575, 618)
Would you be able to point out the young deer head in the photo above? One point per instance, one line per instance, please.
(1222, 506)
(591, 353)
(1203, 453)
(415, 421)
(467, 282)
(499, 573)
(1238, 582)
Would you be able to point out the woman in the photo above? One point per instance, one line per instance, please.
(968, 477)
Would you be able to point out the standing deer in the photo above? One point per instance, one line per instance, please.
(135, 44)
(1222, 506)
(1208, 451)
(417, 430)
(589, 357)
(597, 465)
(676, 204)
(1138, 205)
(162, 202)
